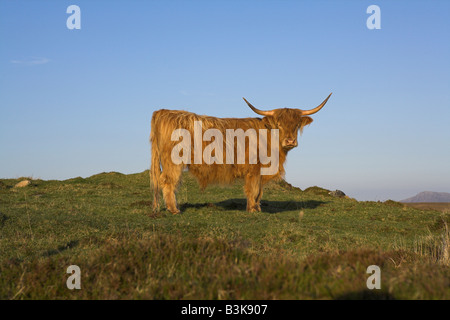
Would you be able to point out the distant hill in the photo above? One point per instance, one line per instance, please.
(429, 196)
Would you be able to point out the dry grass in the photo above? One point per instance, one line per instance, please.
(161, 266)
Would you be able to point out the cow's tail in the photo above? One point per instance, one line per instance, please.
(155, 166)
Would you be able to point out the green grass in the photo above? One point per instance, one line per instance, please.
(304, 245)
(438, 206)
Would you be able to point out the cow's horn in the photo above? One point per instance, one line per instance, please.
(312, 111)
(260, 112)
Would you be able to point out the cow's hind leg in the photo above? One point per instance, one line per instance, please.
(155, 182)
(253, 191)
(169, 181)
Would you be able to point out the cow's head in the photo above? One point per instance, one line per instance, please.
(288, 121)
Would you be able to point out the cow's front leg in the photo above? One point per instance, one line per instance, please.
(258, 199)
(170, 200)
(253, 190)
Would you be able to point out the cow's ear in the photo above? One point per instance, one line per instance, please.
(304, 121)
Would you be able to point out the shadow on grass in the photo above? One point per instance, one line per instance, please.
(267, 206)
(3, 218)
(68, 245)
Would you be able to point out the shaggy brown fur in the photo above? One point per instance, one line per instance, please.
(164, 122)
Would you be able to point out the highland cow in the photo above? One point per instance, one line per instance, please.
(227, 162)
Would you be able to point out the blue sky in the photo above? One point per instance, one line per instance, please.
(79, 102)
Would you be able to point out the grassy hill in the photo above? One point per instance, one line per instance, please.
(304, 245)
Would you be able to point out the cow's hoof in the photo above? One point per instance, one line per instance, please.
(255, 208)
